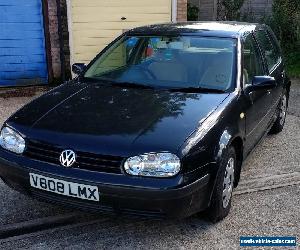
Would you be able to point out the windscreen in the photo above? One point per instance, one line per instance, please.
(170, 62)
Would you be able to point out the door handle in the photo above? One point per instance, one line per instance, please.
(251, 97)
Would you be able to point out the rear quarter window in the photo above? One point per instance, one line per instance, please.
(269, 48)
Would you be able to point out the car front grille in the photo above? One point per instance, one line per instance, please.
(89, 161)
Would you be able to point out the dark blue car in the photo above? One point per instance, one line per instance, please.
(158, 124)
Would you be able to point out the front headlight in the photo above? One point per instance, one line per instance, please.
(153, 164)
(12, 140)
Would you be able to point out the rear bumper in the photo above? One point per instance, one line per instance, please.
(118, 193)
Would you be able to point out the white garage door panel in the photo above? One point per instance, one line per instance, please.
(117, 3)
(95, 23)
(111, 17)
(122, 10)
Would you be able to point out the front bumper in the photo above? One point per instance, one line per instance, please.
(170, 197)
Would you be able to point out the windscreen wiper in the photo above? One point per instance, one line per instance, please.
(131, 85)
(197, 90)
(107, 81)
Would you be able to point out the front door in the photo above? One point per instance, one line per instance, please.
(258, 102)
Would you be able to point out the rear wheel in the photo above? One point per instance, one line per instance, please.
(222, 194)
(280, 120)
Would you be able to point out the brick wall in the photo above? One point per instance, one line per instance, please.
(181, 10)
(252, 10)
(65, 34)
(255, 10)
(207, 10)
(54, 38)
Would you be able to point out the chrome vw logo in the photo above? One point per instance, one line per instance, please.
(67, 158)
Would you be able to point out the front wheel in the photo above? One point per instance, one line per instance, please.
(280, 120)
(222, 194)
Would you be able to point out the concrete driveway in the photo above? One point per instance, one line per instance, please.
(266, 203)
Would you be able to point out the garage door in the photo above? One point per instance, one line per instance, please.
(22, 43)
(94, 23)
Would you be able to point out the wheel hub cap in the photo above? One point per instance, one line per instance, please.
(228, 182)
(282, 110)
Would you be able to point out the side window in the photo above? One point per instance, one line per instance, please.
(147, 51)
(150, 48)
(130, 45)
(275, 44)
(270, 51)
(252, 62)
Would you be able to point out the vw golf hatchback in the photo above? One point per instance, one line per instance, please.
(158, 124)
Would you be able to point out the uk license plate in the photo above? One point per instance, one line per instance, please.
(66, 188)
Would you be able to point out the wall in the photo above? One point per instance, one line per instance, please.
(257, 9)
(254, 9)
(54, 38)
(181, 10)
(207, 9)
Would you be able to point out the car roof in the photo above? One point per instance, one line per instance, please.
(216, 29)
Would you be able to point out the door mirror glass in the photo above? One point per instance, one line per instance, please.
(77, 68)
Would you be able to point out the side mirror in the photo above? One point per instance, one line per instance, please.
(263, 82)
(77, 68)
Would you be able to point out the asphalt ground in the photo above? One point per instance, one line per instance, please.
(266, 203)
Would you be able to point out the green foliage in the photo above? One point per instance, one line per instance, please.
(286, 23)
(293, 63)
(192, 12)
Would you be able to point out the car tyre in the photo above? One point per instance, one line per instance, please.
(221, 198)
(281, 115)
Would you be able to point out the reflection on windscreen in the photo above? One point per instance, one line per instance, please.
(175, 62)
